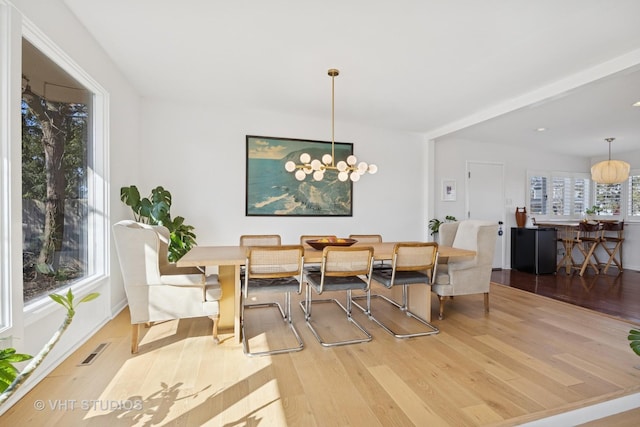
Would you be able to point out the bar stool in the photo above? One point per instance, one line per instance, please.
(567, 237)
(612, 238)
(588, 238)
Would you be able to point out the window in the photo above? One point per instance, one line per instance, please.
(558, 194)
(608, 197)
(634, 195)
(55, 120)
(63, 172)
(538, 195)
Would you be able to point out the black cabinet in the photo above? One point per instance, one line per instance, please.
(534, 250)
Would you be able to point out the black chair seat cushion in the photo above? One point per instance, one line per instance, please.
(287, 284)
(402, 277)
(332, 283)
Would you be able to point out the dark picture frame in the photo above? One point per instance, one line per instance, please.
(272, 191)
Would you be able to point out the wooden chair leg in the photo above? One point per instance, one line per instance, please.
(442, 300)
(214, 331)
(486, 302)
(135, 333)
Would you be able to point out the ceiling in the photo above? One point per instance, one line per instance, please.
(491, 71)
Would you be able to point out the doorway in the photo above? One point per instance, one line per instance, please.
(485, 200)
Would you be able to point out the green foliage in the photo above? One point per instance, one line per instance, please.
(155, 210)
(434, 223)
(9, 374)
(634, 341)
(593, 210)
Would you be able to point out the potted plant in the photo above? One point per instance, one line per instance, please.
(434, 223)
(592, 211)
(155, 210)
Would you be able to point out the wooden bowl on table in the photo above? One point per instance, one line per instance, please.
(320, 244)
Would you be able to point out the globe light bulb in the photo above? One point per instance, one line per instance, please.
(373, 169)
(362, 168)
(300, 175)
(305, 158)
(343, 176)
(352, 160)
(326, 159)
(342, 166)
(318, 175)
(316, 164)
(355, 176)
(290, 166)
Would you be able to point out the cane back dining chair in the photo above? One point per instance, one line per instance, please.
(313, 267)
(342, 269)
(366, 238)
(371, 238)
(260, 240)
(156, 289)
(269, 270)
(412, 263)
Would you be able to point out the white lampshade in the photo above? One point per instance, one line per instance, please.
(342, 166)
(318, 175)
(343, 176)
(326, 159)
(305, 158)
(300, 175)
(315, 164)
(355, 176)
(290, 166)
(352, 160)
(610, 172)
(373, 169)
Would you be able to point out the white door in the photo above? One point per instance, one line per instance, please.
(485, 199)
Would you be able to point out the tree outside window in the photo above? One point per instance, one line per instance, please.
(55, 140)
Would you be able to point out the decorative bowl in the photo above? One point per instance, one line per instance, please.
(320, 244)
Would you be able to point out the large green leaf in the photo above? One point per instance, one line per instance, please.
(131, 197)
(634, 340)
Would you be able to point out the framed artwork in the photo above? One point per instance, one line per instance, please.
(272, 191)
(449, 190)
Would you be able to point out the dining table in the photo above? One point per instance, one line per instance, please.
(229, 260)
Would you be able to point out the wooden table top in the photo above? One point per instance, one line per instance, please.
(206, 256)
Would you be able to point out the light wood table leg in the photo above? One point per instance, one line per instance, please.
(229, 277)
(419, 299)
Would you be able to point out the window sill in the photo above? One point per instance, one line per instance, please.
(42, 307)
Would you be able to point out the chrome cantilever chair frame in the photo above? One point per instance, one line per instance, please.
(273, 269)
(412, 263)
(342, 269)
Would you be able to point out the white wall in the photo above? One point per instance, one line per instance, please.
(198, 153)
(53, 19)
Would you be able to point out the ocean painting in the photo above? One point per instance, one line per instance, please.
(272, 191)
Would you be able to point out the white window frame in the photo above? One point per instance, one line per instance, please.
(549, 176)
(97, 176)
(627, 206)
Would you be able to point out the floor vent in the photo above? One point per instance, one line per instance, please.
(94, 354)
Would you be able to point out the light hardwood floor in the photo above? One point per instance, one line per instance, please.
(529, 358)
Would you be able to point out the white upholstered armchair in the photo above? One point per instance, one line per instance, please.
(468, 275)
(156, 289)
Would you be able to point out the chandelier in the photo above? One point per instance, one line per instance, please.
(610, 171)
(346, 169)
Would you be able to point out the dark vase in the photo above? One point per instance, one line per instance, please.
(521, 216)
